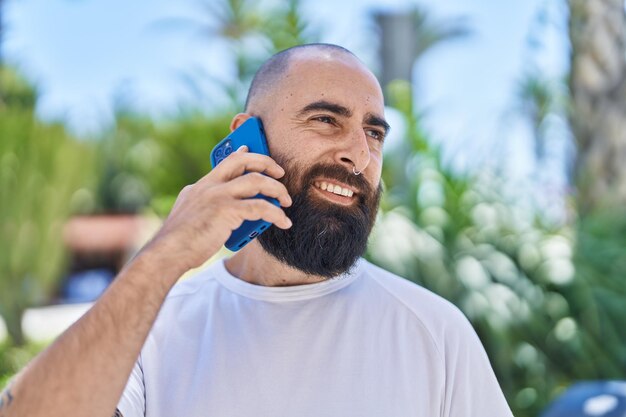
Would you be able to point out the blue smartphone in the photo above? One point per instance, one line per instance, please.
(251, 134)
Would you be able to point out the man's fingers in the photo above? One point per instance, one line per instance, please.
(241, 162)
(254, 183)
(257, 209)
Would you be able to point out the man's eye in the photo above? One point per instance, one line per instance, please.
(325, 119)
(375, 134)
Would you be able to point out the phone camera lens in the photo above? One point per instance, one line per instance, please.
(219, 152)
(228, 151)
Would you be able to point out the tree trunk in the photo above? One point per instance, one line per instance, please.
(597, 30)
(597, 83)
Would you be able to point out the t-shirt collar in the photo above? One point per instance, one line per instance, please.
(291, 293)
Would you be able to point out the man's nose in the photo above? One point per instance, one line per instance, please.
(354, 151)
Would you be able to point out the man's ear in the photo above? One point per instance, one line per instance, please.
(238, 120)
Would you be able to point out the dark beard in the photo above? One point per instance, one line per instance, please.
(326, 239)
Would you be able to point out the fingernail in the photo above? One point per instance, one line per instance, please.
(289, 223)
(242, 148)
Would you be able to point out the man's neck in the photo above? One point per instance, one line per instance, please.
(254, 265)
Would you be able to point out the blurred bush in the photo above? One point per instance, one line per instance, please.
(145, 163)
(455, 235)
(546, 299)
(13, 358)
(42, 172)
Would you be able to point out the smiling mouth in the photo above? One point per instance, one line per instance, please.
(329, 187)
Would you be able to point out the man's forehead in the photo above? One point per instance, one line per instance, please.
(333, 79)
(312, 74)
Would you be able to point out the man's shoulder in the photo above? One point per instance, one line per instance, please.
(429, 308)
(195, 282)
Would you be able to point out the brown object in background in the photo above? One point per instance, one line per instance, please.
(102, 233)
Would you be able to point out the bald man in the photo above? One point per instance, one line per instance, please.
(294, 324)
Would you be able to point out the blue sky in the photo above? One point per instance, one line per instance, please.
(84, 53)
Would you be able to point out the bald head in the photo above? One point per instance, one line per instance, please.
(272, 71)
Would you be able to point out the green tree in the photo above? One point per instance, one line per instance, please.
(536, 103)
(41, 169)
(597, 87)
(598, 109)
(144, 163)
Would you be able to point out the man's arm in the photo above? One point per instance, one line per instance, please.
(84, 372)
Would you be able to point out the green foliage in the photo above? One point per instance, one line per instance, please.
(239, 21)
(546, 301)
(430, 32)
(253, 32)
(597, 299)
(286, 27)
(13, 358)
(41, 169)
(540, 98)
(125, 158)
(185, 148)
(144, 163)
(15, 91)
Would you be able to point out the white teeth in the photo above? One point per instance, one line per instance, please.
(335, 189)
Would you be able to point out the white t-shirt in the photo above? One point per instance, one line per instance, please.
(365, 344)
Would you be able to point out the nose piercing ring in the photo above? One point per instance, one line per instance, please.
(354, 171)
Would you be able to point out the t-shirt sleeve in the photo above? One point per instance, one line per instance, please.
(133, 401)
(471, 387)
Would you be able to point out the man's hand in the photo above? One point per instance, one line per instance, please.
(205, 213)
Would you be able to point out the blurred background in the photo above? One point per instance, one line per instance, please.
(505, 173)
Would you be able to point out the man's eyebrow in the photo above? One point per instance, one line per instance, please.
(328, 106)
(372, 119)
